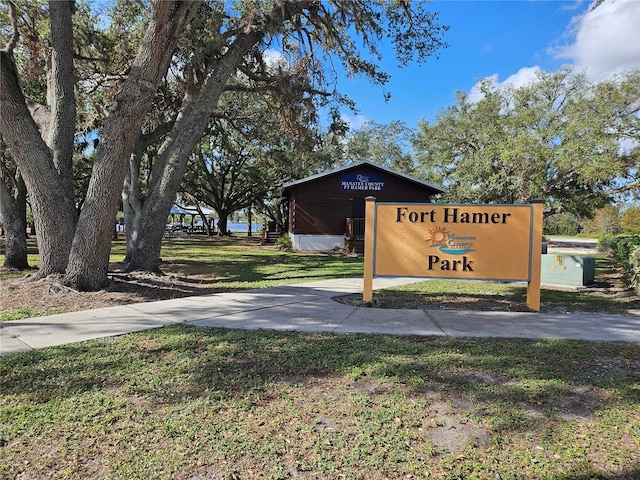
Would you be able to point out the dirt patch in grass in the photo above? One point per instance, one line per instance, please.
(123, 289)
(436, 302)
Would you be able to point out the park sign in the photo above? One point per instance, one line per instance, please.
(487, 242)
(456, 241)
(358, 181)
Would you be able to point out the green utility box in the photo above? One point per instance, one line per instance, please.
(568, 269)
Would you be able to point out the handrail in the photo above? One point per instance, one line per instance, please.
(355, 228)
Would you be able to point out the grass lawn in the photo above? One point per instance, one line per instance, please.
(223, 264)
(188, 403)
(239, 262)
(185, 403)
(230, 263)
(468, 294)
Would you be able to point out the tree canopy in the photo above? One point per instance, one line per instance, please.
(195, 49)
(387, 145)
(559, 139)
(249, 150)
(630, 220)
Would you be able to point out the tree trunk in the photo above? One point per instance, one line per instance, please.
(15, 230)
(20, 197)
(53, 211)
(147, 242)
(223, 220)
(206, 225)
(89, 259)
(175, 154)
(46, 169)
(132, 202)
(61, 135)
(132, 197)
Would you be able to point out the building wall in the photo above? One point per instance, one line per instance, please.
(316, 242)
(321, 206)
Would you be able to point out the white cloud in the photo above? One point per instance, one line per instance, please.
(354, 121)
(275, 59)
(574, 6)
(607, 39)
(521, 78)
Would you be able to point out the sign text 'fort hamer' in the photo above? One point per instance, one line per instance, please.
(491, 242)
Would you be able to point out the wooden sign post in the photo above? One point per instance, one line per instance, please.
(533, 285)
(369, 232)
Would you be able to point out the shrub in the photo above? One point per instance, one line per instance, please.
(635, 265)
(626, 250)
(606, 243)
(284, 243)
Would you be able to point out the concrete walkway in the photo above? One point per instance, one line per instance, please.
(308, 307)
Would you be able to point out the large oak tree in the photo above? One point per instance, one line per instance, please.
(80, 247)
(249, 150)
(560, 138)
(239, 33)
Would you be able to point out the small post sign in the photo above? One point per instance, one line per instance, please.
(488, 242)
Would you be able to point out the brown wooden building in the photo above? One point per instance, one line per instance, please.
(326, 211)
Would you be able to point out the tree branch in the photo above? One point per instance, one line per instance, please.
(625, 188)
(14, 23)
(273, 88)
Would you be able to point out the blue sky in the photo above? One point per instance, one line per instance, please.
(506, 40)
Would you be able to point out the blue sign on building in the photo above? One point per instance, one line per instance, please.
(362, 182)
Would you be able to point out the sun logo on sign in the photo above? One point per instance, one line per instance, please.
(437, 236)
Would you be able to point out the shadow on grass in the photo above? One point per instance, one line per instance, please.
(212, 266)
(190, 278)
(176, 363)
(186, 382)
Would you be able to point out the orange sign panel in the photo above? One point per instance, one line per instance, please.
(490, 242)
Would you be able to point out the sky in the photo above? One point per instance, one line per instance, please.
(505, 40)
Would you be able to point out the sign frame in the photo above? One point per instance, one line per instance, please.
(395, 244)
